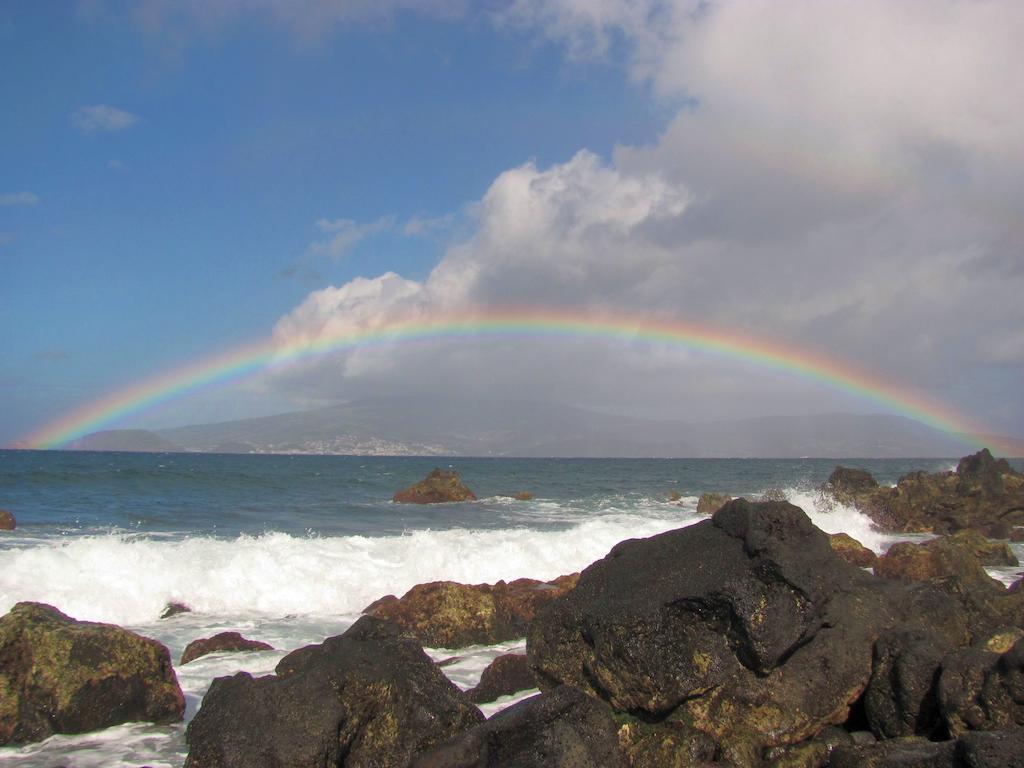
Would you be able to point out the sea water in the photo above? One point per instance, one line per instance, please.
(290, 549)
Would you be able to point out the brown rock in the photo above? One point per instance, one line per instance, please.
(439, 486)
(173, 609)
(524, 496)
(58, 675)
(963, 554)
(851, 550)
(446, 614)
(7, 521)
(674, 496)
(504, 676)
(983, 494)
(709, 503)
(224, 641)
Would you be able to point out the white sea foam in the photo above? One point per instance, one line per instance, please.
(129, 579)
(833, 517)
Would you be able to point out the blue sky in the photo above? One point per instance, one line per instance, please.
(179, 179)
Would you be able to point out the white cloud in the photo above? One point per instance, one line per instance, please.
(102, 117)
(18, 198)
(843, 176)
(340, 235)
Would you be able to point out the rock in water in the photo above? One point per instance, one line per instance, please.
(441, 485)
(224, 641)
(562, 728)
(505, 675)
(963, 554)
(58, 675)
(741, 632)
(709, 503)
(446, 614)
(369, 697)
(851, 550)
(7, 521)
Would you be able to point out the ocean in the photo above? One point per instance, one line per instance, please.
(290, 549)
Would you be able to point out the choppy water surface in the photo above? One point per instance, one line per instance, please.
(289, 549)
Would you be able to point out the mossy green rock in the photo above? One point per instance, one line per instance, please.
(58, 675)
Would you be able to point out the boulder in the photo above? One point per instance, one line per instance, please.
(58, 675)
(369, 697)
(523, 496)
(851, 550)
(745, 631)
(963, 554)
(991, 749)
(983, 494)
(562, 727)
(446, 614)
(908, 752)
(7, 521)
(901, 698)
(979, 690)
(848, 485)
(709, 503)
(504, 676)
(223, 641)
(173, 609)
(441, 485)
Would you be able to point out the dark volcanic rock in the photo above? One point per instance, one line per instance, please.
(446, 614)
(439, 486)
(982, 494)
(991, 749)
(980, 690)
(963, 554)
(562, 728)
(745, 630)
(851, 550)
(173, 609)
(7, 521)
(58, 675)
(709, 503)
(901, 698)
(369, 697)
(909, 752)
(848, 484)
(223, 641)
(505, 675)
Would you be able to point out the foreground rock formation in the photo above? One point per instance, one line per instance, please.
(7, 521)
(739, 634)
(983, 494)
(446, 614)
(223, 641)
(441, 485)
(58, 675)
(369, 697)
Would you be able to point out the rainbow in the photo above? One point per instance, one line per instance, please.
(265, 355)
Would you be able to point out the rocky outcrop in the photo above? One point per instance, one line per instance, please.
(58, 675)
(441, 485)
(983, 494)
(963, 554)
(851, 550)
(173, 609)
(737, 634)
(223, 641)
(369, 697)
(709, 503)
(446, 614)
(7, 521)
(902, 698)
(978, 749)
(979, 690)
(562, 727)
(523, 496)
(504, 676)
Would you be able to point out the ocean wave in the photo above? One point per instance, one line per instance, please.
(129, 579)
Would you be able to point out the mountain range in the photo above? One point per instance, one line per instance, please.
(437, 426)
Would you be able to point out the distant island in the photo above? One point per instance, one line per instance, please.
(458, 427)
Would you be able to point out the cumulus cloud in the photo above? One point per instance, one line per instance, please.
(18, 198)
(842, 176)
(102, 117)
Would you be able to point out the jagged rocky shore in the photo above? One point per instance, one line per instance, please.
(748, 639)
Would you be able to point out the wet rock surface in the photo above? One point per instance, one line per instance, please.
(709, 503)
(504, 676)
(561, 728)
(440, 486)
(984, 494)
(59, 675)
(851, 550)
(739, 633)
(369, 697)
(223, 641)
(7, 521)
(446, 614)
